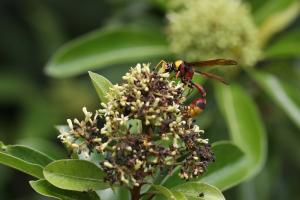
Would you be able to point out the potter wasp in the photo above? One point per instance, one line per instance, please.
(186, 70)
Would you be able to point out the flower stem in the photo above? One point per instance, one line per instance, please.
(135, 193)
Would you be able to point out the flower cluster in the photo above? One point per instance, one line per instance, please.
(144, 128)
(82, 137)
(205, 29)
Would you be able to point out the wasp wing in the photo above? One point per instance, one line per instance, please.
(206, 63)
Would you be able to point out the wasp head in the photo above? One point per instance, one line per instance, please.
(169, 67)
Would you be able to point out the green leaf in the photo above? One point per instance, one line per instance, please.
(164, 191)
(101, 85)
(77, 175)
(286, 46)
(24, 159)
(230, 167)
(274, 88)
(194, 191)
(28, 154)
(43, 187)
(21, 165)
(48, 147)
(255, 5)
(107, 47)
(179, 195)
(245, 125)
(134, 126)
(269, 8)
(2, 146)
(292, 91)
(278, 21)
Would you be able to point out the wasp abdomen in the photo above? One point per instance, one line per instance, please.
(197, 107)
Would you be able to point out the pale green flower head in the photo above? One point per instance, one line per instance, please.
(206, 29)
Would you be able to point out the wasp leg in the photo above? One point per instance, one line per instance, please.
(213, 76)
(199, 88)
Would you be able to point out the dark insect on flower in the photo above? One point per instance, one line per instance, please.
(185, 71)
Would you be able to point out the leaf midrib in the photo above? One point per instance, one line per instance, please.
(71, 177)
(35, 174)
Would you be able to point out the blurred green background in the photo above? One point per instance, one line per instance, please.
(31, 102)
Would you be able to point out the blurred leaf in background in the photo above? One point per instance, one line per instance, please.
(72, 37)
(104, 48)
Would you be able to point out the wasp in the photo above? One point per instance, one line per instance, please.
(186, 70)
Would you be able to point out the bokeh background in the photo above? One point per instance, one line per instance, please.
(31, 102)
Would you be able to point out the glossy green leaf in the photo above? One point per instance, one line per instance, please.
(48, 147)
(230, 167)
(164, 191)
(28, 154)
(21, 165)
(255, 5)
(274, 88)
(77, 175)
(24, 159)
(44, 188)
(179, 195)
(101, 85)
(278, 21)
(287, 46)
(245, 125)
(107, 47)
(194, 191)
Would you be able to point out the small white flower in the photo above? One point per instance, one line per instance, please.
(107, 164)
(70, 123)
